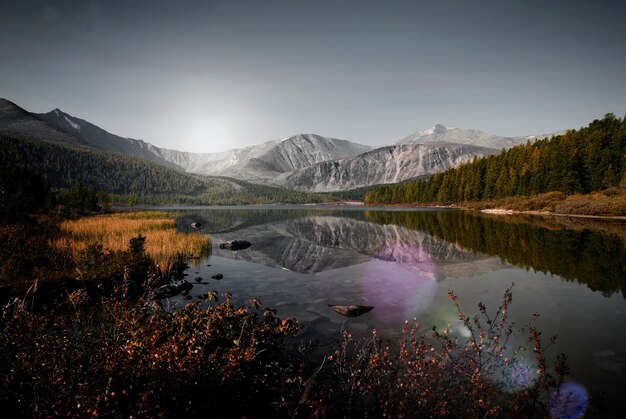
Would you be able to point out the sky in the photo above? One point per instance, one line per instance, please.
(207, 76)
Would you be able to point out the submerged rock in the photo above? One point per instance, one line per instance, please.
(217, 276)
(351, 311)
(170, 290)
(235, 245)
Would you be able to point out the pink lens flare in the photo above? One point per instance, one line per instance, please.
(400, 282)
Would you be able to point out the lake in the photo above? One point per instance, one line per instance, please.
(404, 262)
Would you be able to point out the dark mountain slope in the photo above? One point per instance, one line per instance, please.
(19, 122)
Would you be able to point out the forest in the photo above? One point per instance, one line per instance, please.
(130, 179)
(581, 161)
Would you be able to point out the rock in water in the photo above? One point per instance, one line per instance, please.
(217, 276)
(351, 311)
(196, 225)
(171, 290)
(235, 245)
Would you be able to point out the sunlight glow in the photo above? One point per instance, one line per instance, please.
(207, 134)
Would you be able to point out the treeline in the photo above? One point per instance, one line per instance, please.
(134, 180)
(25, 193)
(590, 159)
(65, 166)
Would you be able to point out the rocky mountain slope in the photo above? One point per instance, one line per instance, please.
(267, 160)
(391, 164)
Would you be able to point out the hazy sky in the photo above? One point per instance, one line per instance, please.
(212, 75)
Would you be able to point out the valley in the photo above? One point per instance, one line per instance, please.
(303, 162)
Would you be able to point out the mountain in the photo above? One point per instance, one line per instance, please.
(268, 160)
(578, 162)
(441, 134)
(65, 165)
(18, 122)
(391, 164)
(259, 163)
(304, 162)
(94, 136)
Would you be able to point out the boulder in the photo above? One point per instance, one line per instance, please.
(351, 311)
(235, 245)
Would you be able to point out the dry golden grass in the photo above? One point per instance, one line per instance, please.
(113, 231)
(605, 203)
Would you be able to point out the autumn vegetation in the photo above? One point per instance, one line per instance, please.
(163, 243)
(82, 335)
(580, 172)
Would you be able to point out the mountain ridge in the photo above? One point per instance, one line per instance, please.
(305, 162)
(469, 136)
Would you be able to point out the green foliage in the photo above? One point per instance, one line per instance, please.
(590, 159)
(79, 199)
(22, 193)
(115, 173)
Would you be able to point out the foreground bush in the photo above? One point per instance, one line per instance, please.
(124, 358)
(443, 376)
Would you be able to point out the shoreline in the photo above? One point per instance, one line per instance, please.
(503, 211)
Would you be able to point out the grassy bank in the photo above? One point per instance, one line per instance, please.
(609, 203)
(113, 231)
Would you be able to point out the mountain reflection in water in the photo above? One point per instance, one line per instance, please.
(404, 262)
(311, 241)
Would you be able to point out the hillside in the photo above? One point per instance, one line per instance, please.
(19, 122)
(590, 159)
(149, 182)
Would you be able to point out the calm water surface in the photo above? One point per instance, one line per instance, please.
(570, 271)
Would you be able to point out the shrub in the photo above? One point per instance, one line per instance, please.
(122, 358)
(442, 376)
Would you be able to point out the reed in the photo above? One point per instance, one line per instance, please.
(113, 232)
